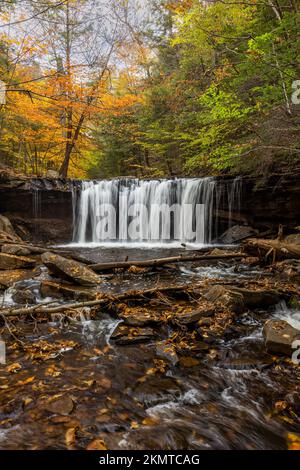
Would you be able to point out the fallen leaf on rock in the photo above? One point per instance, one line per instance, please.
(26, 381)
(293, 441)
(13, 368)
(150, 421)
(281, 405)
(97, 444)
(27, 401)
(134, 425)
(52, 371)
(70, 437)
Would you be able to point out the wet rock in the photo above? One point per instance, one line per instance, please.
(156, 389)
(279, 336)
(15, 262)
(9, 277)
(236, 298)
(294, 302)
(124, 335)
(53, 289)
(258, 298)
(24, 297)
(246, 363)
(15, 250)
(229, 299)
(193, 316)
(237, 233)
(293, 399)
(187, 361)
(62, 405)
(165, 350)
(138, 316)
(70, 269)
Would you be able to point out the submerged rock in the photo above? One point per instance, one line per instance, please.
(166, 351)
(70, 269)
(279, 336)
(124, 335)
(24, 297)
(15, 262)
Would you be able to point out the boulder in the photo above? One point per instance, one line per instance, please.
(279, 337)
(237, 233)
(125, 335)
(258, 298)
(15, 250)
(24, 297)
(229, 299)
(10, 277)
(237, 299)
(188, 317)
(138, 316)
(56, 290)
(15, 262)
(69, 269)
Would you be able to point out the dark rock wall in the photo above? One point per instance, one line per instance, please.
(41, 209)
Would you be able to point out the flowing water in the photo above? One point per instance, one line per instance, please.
(149, 212)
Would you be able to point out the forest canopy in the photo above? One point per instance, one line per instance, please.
(149, 89)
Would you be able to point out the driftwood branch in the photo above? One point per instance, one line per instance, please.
(162, 261)
(104, 300)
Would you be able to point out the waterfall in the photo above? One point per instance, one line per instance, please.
(157, 211)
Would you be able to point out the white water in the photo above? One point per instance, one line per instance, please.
(145, 203)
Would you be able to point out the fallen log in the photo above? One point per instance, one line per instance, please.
(276, 249)
(162, 261)
(104, 300)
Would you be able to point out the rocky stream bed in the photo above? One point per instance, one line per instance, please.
(191, 355)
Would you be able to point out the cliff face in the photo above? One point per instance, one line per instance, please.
(41, 209)
(264, 202)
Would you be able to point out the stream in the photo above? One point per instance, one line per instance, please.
(235, 396)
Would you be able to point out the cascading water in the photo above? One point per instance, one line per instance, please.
(158, 211)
